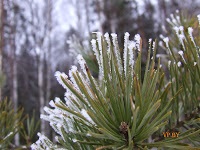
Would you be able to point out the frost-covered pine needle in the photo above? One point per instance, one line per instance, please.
(85, 114)
(107, 39)
(137, 40)
(190, 30)
(58, 76)
(125, 54)
(100, 48)
(169, 64)
(166, 40)
(82, 63)
(117, 53)
(198, 17)
(179, 64)
(181, 54)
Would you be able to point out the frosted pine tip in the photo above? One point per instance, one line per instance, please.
(176, 29)
(93, 42)
(73, 68)
(52, 104)
(137, 38)
(106, 35)
(198, 17)
(114, 35)
(131, 45)
(190, 30)
(179, 64)
(127, 34)
(150, 40)
(57, 138)
(74, 140)
(169, 63)
(166, 40)
(180, 53)
(57, 100)
(168, 20)
(59, 125)
(181, 28)
(39, 134)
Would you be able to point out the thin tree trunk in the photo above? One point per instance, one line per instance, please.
(100, 6)
(1, 40)
(41, 87)
(14, 94)
(87, 3)
(48, 59)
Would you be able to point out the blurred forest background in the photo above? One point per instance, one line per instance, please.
(38, 37)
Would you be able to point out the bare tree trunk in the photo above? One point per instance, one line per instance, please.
(1, 40)
(100, 6)
(87, 3)
(48, 59)
(41, 86)
(14, 94)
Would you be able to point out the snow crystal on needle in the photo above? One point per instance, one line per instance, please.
(198, 16)
(190, 30)
(115, 43)
(179, 64)
(166, 40)
(85, 114)
(52, 104)
(137, 39)
(82, 63)
(126, 42)
(58, 76)
(94, 48)
(181, 53)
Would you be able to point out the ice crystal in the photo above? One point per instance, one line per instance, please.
(181, 54)
(82, 63)
(198, 17)
(58, 76)
(126, 41)
(107, 38)
(190, 30)
(85, 114)
(137, 39)
(52, 104)
(131, 46)
(179, 64)
(166, 40)
(116, 50)
(94, 48)
(169, 63)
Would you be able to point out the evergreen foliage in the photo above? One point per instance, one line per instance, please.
(125, 109)
(12, 123)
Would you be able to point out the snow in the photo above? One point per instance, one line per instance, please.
(58, 76)
(82, 63)
(198, 17)
(51, 103)
(181, 53)
(126, 41)
(169, 63)
(179, 64)
(137, 39)
(166, 40)
(116, 51)
(85, 114)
